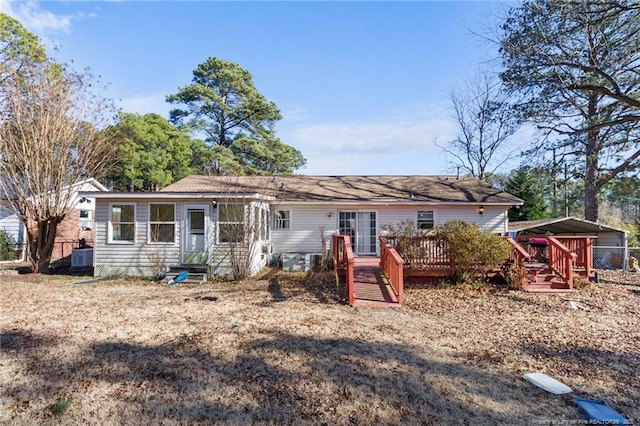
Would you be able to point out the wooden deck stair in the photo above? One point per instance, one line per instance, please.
(540, 279)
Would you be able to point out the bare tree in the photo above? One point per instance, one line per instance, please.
(242, 219)
(486, 124)
(50, 138)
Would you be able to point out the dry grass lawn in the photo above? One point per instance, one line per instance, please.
(284, 350)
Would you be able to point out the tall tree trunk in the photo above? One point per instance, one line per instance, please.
(42, 244)
(591, 190)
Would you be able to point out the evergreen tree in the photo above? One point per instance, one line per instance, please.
(524, 184)
(152, 153)
(238, 121)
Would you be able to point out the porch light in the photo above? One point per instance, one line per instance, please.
(480, 210)
(330, 214)
(214, 204)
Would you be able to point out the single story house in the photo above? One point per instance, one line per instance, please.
(201, 220)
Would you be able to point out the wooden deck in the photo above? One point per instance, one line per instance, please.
(371, 289)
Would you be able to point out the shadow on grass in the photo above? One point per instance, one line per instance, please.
(279, 378)
(320, 285)
(275, 290)
(18, 341)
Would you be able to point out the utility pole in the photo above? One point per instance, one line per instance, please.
(554, 172)
(566, 192)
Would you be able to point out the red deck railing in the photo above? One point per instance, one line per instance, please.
(518, 257)
(561, 260)
(344, 260)
(518, 254)
(581, 246)
(422, 252)
(583, 249)
(393, 266)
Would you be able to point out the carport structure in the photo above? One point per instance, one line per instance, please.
(611, 250)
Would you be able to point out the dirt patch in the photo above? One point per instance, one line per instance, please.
(283, 349)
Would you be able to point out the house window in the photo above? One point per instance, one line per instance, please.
(122, 224)
(282, 219)
(231, 223)
(425, 219)
(162, 223)
(85, 222)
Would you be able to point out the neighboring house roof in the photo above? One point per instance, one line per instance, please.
(562, 225)
(407, 189)
(85, 185)
(90, 184)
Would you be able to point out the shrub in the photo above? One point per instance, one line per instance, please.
(472, 251)
(7, 246)
(407, 239)
(513, 276)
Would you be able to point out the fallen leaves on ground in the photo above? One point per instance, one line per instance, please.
(285, 349)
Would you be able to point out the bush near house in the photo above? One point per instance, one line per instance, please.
(472, 251)
(8, 246)
(409, 240)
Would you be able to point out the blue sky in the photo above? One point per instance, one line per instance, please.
(363, 86)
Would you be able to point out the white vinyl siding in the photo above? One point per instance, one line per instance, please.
(306, 222)
(305, 232)
(493, 219)
(139, 258)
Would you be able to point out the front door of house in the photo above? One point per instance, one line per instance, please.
(362, 227)
(195, 241)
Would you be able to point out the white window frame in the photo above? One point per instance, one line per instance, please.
(219, 222)
(150, 223)
(282, 221)
(110, 227)
(433, 219)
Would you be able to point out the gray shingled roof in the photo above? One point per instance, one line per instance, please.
(432, 189)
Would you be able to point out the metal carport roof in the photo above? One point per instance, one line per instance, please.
(562, 225)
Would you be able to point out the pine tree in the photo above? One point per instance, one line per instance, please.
(524, 184)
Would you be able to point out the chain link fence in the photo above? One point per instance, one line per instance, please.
(625, 258)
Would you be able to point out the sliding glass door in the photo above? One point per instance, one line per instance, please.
(362, 227)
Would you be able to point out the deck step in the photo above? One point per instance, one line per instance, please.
(548, 290)
(197, 274)
(550, 284)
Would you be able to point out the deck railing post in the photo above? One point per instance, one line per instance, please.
(349, 262)
(393, 266)
(561, 260)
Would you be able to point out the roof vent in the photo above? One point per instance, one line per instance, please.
(282, 185)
